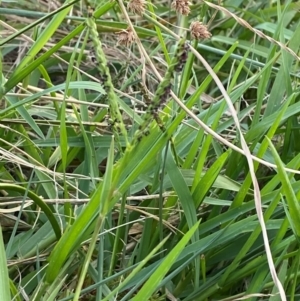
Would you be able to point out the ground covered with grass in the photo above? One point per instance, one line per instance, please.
(149, 150)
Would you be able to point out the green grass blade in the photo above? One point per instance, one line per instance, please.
(208, 179)
(4, 278)
(137, 269)
(183, 192)
(24, 113)
(152, 283)
(32, 25)
(293, 203)
(45, 35)
(39, 202)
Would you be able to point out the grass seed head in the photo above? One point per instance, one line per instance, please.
(199, 31)
(126, 37)
(181, 6)
(136, 6)
(181, 56)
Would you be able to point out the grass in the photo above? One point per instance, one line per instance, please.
(148, 157)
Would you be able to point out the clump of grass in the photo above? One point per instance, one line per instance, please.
(80, 220)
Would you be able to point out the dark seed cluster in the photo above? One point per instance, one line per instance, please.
(163, 90)
(144, 93)
(182, 58)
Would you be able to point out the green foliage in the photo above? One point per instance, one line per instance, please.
(124, 178)
(4, 277)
